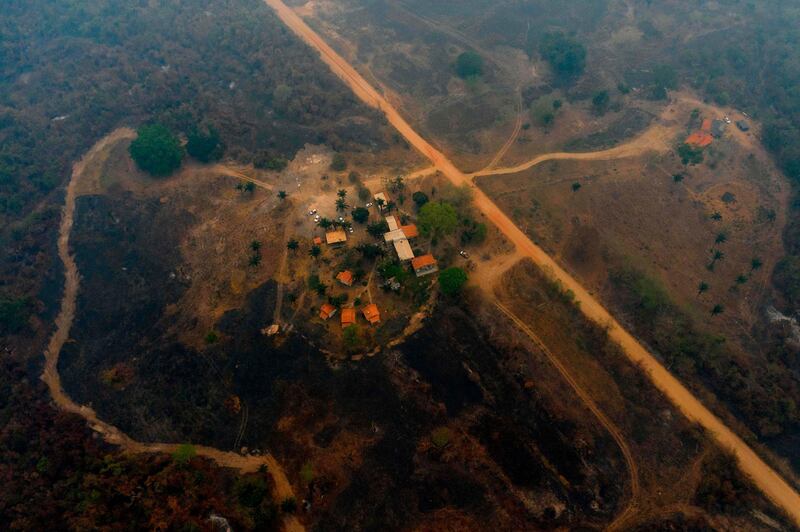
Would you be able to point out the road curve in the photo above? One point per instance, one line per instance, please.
(772, 484)
(110, 433)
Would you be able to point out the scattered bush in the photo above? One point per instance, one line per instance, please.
(469, 65)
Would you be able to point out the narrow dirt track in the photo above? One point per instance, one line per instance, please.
(66, 315)
(584, 396)
(762, 474)
(512, 138)
(655, 138)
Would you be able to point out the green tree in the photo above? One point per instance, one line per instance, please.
(678, 177)
(741, 279)
(690, 154)
(282, 194)
(755, 264)
(340, 204)
(716, 216)
(292, 244)
(249, 187)
(377, 229)
(255, 245)
(717, 310)
(351, 337)
(156, 151)
(721, 238)
(576, 186)
(469, 65)
(360, 215)
(315, 251)
(342, 193)
(420, 198)
(325, 223)
(452, 280)
(437, 219)
(566, 56)
(205, 146)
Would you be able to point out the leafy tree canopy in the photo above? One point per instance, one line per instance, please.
(156, 151)
(420, 198)
(360, 215)
(452, 280)
(205, 146)
(437, 219)
(469, 65)
(567, 57)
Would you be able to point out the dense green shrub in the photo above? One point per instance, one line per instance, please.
(156, 151)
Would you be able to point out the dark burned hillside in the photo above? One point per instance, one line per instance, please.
(70, 72)
(56, 471)
(394, 441)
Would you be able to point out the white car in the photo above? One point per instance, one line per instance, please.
(341, 219)
(350, 229)
(368, 205)
(464, 254)
(316, 218)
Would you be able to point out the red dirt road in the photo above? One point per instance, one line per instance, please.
(775, 487)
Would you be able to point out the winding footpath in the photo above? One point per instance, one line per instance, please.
(764, 477)
(110, 433)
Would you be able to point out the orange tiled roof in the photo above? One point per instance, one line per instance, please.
(422, 261)
(345, 277)
(410, 230)
(372, 313)
(326, 311)
(706, 125)
(348, 316)
(700, 139)
(317, 240)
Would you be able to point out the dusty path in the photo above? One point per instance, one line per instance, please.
(762, 474)
(110, 433)
(655, 138)
(512, 138)
(228, 171)
(584, 396)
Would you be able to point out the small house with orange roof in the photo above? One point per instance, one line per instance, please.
(348, 317)
(410, 230)
(317, 240)
(327, 311)
(424, 265)
(345, 277)
(372, 314)
(702, 138)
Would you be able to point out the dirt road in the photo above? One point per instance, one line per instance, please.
(762, 474)
(655, 138)
(51, 377)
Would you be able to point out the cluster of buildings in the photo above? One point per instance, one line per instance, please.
(399, 236)
(348, 315)
(709, 130)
